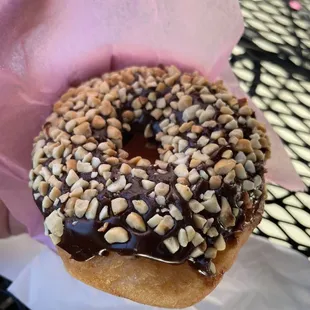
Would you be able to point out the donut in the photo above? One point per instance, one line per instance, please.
(163, 226)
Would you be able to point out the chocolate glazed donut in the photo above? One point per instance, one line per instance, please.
(183, 213)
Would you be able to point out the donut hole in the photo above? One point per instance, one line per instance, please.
(137, 145)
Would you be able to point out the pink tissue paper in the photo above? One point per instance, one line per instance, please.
(48, 45)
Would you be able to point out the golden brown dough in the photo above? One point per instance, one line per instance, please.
(154, 283)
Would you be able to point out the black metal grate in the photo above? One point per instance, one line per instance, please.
(272, 62)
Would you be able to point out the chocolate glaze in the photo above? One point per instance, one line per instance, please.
(81, 237)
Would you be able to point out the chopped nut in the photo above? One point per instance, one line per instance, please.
(226, 216)
(105, 108)
(128, 185)
(54, 193)
(211, 205)
(125, 169)
(186, 126)
(69, 208)
(90, 146)
(245, 111)
(112, 161)
(116, 235)
(119, 205)
(227, 154)
(217, 134)
(183, 181)
(70, 125)
(71, 178)
(240, 172)
(63, 198)
(198, 239)
(210, 148)
(165, 225)
(115, 123)
(80, 153)
(190, 231)
(55, 182)
(175, 212)
(140, 206)
(104, 168)
(104, 213)
(190, 113)
(46, 202)
(98, 122)
(92, 209)
(155, 220)
(54, 224)
(89, 194)
(244, 145)
(211, 253)
(148, 185)
(135, 221)
(193, 176)
(240, 158)
(172, 244)
(257, 181)
(199, 221)
(207, 98)
(160, 200)
(58, 151)
(247, 185)
(249, 166)
(118, 185)
(184, 102)
(114, 133)
(83, 129)
(80, 207)
(224, 118)
(139, 173)
(84, 167)
(194, 163)
(212, 268)
(157, 113)
(196, 252)
(46, 174)
(212, 232)
(43, 188)
(71, 164)
(220, 243)
(181, 170)
(173, 130)
(252, 157)
(196, 206)
(57, 169)
(148, 133)
(230, 177)
(215, 182)
(161, 189)
(184, 191)
(55, 239)
(203, 141)
(103, 228)
(223, 166)
(78, 139)
(76, 192)
(143, 163)
(128, 116)
(182, 238)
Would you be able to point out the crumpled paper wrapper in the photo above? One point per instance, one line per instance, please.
(265, 276)
(46, 46)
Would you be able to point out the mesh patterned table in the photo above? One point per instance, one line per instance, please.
(272, 62)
